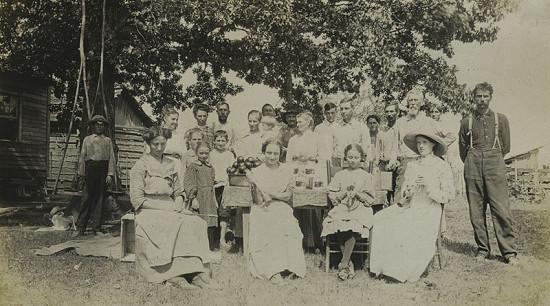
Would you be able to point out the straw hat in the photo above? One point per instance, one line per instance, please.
(439, 148)
(55, 210)
(99, 118)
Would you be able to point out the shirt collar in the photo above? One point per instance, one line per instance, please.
(480, 116)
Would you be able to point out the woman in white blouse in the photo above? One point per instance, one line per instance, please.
(404, 235)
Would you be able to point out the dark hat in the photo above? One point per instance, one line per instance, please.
(291, 110)
(410, 140)
(99, 118)
(55, 210)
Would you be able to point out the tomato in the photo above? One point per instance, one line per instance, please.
(235, 165)
(257, 163)
(250, 159)
(231, 170)
(248, 164)
(240, 159)
(242, 169)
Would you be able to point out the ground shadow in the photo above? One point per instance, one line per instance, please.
(459, 247)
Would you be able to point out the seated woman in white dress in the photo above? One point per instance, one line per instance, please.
(275, 245)
(171, 242)
(404, 235)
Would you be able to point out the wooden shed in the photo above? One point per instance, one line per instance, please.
(24, 133)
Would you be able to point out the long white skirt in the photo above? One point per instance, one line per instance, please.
(275, 241)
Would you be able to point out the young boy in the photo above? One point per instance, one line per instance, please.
(221, 159)
(97, 165)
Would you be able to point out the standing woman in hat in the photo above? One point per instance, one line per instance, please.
(404, 235)
(97, 165)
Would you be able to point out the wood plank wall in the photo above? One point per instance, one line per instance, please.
(27, 158)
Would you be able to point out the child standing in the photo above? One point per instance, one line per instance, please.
(199, 187)
(351, 192)
(97, 165)
(221, 159)
(194, 136)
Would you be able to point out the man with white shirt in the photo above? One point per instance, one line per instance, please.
(222, 124)
(250, 144)
(326, 129)
(350, 130)
(413, 121)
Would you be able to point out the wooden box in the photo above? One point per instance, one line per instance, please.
(307, 198)
(236, 196)
(238, 180)
(128, 237)
(383, 180)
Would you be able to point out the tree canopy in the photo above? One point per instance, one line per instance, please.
(304, 48)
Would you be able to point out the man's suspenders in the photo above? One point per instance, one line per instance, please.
(497, 140)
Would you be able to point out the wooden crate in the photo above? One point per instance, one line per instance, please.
(306, 198)
(238, 180)
(236, 196)
(128, 237)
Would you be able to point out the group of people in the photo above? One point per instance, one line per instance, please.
(177, 187)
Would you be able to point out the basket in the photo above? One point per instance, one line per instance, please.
(238, 180)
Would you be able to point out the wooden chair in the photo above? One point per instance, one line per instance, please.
(438, 246)
(362, 246)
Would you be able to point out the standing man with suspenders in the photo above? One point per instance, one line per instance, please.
(484, 139)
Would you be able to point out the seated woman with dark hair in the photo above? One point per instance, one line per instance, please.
(275, 238)
(404, 235)
(171, 242)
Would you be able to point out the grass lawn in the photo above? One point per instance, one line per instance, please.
(26, 279)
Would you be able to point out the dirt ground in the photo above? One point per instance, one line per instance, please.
(27, 279)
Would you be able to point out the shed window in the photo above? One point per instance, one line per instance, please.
(9, 117)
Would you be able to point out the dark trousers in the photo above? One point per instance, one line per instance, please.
(390, 194)
(485, 177)
(93, 195)
(311, 224)
(223, 212)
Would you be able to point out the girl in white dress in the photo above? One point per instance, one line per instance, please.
(351, 192)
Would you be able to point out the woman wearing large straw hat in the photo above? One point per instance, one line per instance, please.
(404, 235)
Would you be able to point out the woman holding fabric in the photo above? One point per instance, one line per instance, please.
(275, 237)
(404, 235)
(171, 242)
(306, 148)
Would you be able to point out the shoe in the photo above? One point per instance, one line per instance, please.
(202, 281)
(513, 261)
(277, 279)
(481, 257)
(182, 283)
(78, 234)
(96, 232)
(225, 246)
(343, 273)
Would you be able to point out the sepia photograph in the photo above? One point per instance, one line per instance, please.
(274, 152)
